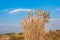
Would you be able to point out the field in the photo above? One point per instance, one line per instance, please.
(52, 35)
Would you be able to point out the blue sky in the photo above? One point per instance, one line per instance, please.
(8, 6)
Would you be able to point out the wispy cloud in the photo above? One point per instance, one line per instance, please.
(15, 11)
(10, 24)
(10, 27)
(54, 19)
(20, 10)
(53, 24)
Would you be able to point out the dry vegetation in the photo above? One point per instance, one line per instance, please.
(52, 35)
(34, 26)
(11, 36)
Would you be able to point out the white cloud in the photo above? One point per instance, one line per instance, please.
(10, 24)
(20, 10)
(53, 19)
(10, 27)
(53, 24)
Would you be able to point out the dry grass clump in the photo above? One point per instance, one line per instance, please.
(34, 26)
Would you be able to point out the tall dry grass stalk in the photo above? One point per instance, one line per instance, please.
(34, 26)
